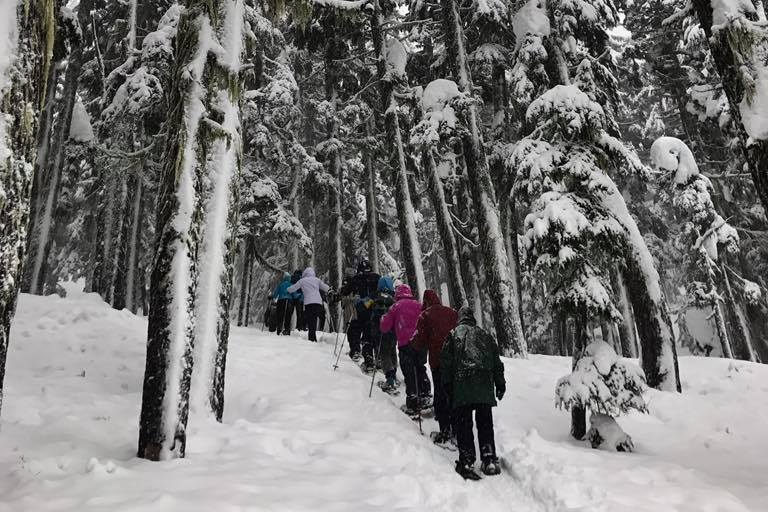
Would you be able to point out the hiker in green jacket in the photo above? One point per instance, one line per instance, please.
(473, 376)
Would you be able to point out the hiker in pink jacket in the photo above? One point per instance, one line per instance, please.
(402, 317)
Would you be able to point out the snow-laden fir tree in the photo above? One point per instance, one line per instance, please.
(607, 387)
(709, 239)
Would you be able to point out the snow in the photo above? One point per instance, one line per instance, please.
(723, 11)
(8, 38)
(297, 436)
(672, 154)
(80, 130)
(531, 19)
(396, 56)
(754, 106)
(438, 93)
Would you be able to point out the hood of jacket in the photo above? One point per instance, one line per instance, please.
(467, 316)
(286, 277)
(431, 298)
(386, 284)
(403, 292)
(308, 272)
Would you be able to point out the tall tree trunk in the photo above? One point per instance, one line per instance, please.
(578, 413)
(170, 336)
(737, 322)
(21, 100)
(134, 243)
(446, 229)
(42, 224)
(627, 332)
(371, 209)
(501, 289)
(732, 51)
(223, 144)
(409, 240)
(245, 279)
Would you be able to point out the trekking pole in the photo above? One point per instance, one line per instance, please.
(376, 356)
(418, 400)
(341, 349)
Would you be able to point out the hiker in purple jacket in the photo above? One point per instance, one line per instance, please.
(311, 287)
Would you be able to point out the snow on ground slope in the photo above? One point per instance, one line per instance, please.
(298, 436)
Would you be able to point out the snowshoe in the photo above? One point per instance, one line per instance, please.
(390, 389)
(444, 440)
(467, 471)
(426, 402)
(355, 356)
(367, 368)
(490, 467)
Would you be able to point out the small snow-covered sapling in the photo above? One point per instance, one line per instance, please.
(607, 386)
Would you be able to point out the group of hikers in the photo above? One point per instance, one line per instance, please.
(385, 323)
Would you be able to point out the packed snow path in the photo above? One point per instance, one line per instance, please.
(298, 436)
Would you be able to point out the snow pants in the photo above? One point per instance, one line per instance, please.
(387, 348)
(311, 313)
(465, 437)
(413, 364)
(284, 315)
(443, 412)
(298, 306)
(359, 335)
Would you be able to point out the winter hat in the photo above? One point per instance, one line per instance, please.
(364, 266)
(403, 292)
(386, 284)
(431, 299)
(467, 316)
(286, 276)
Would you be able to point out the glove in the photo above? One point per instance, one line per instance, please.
(368, 304)
(500, 390)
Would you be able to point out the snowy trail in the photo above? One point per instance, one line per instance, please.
(298, 436)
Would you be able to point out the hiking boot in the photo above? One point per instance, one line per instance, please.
(355, 356)
(441, 438)
(467, 471)
(490, 466)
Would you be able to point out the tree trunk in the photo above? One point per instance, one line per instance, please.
(731, 63)
(578, 414)
(170, 337)
(371, 210)
(627, 332)
(245, 279)
(446, 229)
(409, 240)
(500, 287)
(134, 243)
(737, 322)
(20, 104)
(41, 225)
(223, 147)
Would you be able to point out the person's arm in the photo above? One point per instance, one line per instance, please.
(419, 338)
(388, 320)
(498, 369)
(447, 363)
(324, 287)
(295, 287)
(276, 293)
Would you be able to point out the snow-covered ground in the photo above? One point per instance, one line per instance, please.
(298, 436)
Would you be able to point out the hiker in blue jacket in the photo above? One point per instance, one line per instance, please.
(284, 305)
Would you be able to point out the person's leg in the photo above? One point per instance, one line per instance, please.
(298, 305)
(281, 307)
(465, 438)
(409, 373)
(425, 386)
(287, 317)
(388, 357)
(485, 437)
(364, 317)
(310, 313)
(353, 336)
(441, 402)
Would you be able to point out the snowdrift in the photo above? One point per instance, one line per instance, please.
(299, 437)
